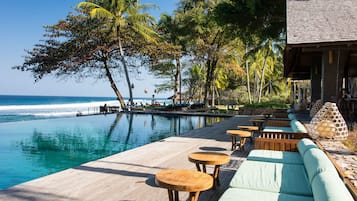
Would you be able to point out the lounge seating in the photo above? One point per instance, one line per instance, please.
(284, 126)
(306, 175)
(283, 129)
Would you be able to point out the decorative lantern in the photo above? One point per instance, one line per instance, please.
(316, 107)
(328, 122)
(326, 129)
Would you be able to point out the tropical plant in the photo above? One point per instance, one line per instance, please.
(206, 38)
(194, 81)
(254, 18)
(77, 46)
(167, 64)
(122, 16)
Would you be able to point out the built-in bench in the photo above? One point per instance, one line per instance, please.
(306, 175)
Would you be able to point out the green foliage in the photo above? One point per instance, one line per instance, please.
(195, 82)
(123, 17)
(76, 46)
(206, 39)
(261, 18)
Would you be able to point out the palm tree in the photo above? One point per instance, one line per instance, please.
(169, 30)
(123, 15)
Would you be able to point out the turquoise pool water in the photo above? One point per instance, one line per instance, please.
(32, 149)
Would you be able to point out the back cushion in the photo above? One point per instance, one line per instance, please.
(291, 116)
(304, 145)
(326, 186)
(316, 161)
(297, 126)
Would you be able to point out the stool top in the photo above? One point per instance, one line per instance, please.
(184, 180)
(209, 158)
(257, 120)
(239, 133)
(251, 128)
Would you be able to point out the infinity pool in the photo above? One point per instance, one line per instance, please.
(32, 149)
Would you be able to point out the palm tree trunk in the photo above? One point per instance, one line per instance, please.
(122, 59)
(177, 74)
(208, 82)
(213, 97)
(262, 78)
(114, 86)
(248, 76)
(255, 85)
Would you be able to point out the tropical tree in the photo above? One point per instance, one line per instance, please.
(206, 38)
(255, 21)
(77, 46)
(167, 63)
(229, 72)
(122, 16)
(265, 60)
(254, 18)
(194, 81)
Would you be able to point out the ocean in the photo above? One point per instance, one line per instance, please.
(20, 108)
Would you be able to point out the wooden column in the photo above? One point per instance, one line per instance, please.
(329, 72)
(316, 78)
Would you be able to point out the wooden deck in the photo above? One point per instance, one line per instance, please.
(129, 175)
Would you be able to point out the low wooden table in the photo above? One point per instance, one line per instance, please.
(209, 158)
(242, 135)
(184, 180)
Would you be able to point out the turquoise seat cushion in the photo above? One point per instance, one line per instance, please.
(297, 126)
(329, 187)
(291, 116)
(234, 194)
(272, 177)
(275, 156)
(304, 145)
(277, 129)
(316, 161)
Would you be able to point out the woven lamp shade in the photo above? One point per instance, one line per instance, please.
(326, 129)
(329, 123)
(316, 107)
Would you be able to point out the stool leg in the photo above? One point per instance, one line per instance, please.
(241, 143)
(194, 196)
(198, 167)
(171, 196)
(204, 168)
(232, 138)
(216, 174)
(177, 196)
(234, 142)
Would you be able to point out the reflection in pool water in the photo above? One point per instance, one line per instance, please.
(31, 149)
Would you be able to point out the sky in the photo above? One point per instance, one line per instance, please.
(22, 27)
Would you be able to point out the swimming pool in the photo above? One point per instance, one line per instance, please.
(32, 149)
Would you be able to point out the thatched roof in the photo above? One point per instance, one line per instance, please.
(321, 21)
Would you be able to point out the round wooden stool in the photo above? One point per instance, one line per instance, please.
(258, 122)
(209, 158)
(184, 180)
(242, 138)
(251, 129)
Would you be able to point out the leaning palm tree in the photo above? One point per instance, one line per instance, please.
(123, 15)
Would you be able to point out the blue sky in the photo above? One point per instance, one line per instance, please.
(22, 26)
